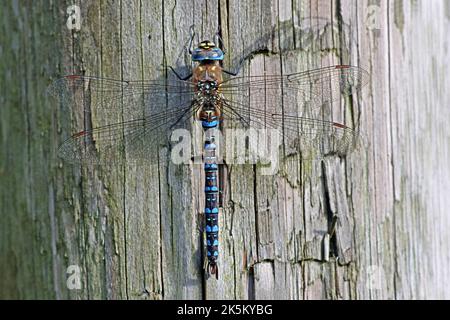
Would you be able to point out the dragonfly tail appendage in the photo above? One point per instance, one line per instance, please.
(213, 269)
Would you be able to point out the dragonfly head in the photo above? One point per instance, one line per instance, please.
(207, 51)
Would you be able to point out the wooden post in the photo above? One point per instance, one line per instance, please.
(373, 225)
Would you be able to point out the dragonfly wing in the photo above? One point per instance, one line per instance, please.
(137, 141)
(315, 138)
(310, 138)
(96, 95)
(314, 87)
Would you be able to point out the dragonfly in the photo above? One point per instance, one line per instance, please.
(147, 112)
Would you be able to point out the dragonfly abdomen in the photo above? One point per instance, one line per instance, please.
(211, 196)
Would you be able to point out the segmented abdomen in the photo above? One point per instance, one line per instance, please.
(211, 200)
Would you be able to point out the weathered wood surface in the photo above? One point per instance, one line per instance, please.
(134, 232)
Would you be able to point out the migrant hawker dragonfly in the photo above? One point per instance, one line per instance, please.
(148, 111)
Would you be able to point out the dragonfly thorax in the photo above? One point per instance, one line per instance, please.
(207, 75)
(207, 87)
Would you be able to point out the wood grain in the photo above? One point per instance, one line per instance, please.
(134, 232)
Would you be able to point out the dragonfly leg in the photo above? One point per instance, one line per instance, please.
(180, 77)
(231, 73)
(239, 67)
(219, 41)
(192, 31)
(241, 63)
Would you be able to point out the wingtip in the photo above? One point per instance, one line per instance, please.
(79, 134)
(339, 125)
(343, 66)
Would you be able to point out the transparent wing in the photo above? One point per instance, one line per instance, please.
(310, 138)
(311, 89)
(137, 141)
(89, 94)
(121, 120)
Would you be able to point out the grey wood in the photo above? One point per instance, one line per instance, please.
(133, 231)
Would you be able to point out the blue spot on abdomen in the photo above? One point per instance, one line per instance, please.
(211, 189)
(210, 166)
(210, 124)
